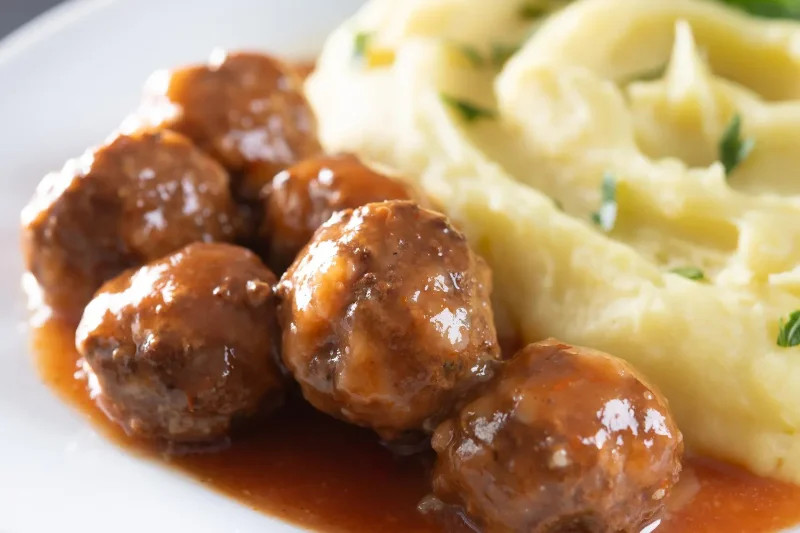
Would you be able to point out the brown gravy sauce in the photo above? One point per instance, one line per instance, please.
(322, 474)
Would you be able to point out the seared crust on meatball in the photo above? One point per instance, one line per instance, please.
(386, 317)
(245, 109)
(304, 196)
(183, 348)
(130, 201)
(563, 439)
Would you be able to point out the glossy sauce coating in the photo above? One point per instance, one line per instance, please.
(301, 198)
(386, 317)
(299, 467)
(132, 200)
(183, 348)
(562, 439)
(246, 109)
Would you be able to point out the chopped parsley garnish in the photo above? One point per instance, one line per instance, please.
(652, 74)
(497, 57)
(789, 334)
(361, 44)
(532, 12)
(606, 216)
(775, 9)
(469, 111)
(502, 53)
(558, 204)
(472, 54)
(733, 150)
(689, 272)
(366, 54)
(778, 9)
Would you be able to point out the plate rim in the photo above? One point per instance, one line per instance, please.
(45, 24)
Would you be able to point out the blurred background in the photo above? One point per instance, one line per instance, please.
(15, 13)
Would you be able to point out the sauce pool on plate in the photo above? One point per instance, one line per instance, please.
(319, 473)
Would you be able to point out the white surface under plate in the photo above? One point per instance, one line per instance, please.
(65, 82)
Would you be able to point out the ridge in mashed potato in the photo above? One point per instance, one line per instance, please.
(639, 90)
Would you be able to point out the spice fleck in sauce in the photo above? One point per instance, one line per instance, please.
(323, 474)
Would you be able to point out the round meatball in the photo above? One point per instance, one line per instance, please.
(562, 439)
(246, 109)
(130, 201)
(301, 198)
(186, 346)
(386, 318)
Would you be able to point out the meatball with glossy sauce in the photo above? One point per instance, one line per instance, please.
(130, 201)
(563, 439)
(246, 109)
(386, 317)
(301, 198)
(183, 348)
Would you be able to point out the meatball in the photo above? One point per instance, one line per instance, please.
(304, 196)
(562, 439)
(184, 347)
(246, 109)
(130, 201)
(386, 318)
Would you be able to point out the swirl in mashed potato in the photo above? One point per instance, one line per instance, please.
(639, 91)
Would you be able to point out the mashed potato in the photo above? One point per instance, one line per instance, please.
(635, 95)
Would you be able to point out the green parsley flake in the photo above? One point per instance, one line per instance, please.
(497, 57)
(502, 53)
(733, 150)
(469, 111)
(606, 216)
(777, 9)
(361, 43)
(652, 74)
(532, 12)
(689, 272)
(789, 334)
(472, 54)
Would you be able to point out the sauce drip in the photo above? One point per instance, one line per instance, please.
(319, 473)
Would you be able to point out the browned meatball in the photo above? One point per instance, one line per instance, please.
(132, 200)
(304, 196)
(184, 347)
(563, 439)
(245, 109)
(386, 317)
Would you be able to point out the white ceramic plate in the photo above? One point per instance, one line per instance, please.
(65, 82)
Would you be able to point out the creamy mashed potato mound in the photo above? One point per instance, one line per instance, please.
(642, 91)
